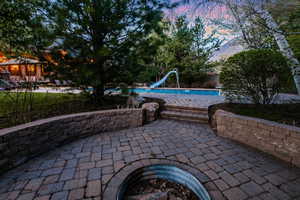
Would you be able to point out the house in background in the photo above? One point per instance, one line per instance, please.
(23, 69)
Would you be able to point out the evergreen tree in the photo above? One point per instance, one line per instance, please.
(23, 27)
(102, 37)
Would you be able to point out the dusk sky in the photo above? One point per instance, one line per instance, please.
(206, 13)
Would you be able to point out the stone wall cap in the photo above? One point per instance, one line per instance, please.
(223, 112)
(48, 120)
(150, 106)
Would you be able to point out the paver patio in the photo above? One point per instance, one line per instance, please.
(81, 170)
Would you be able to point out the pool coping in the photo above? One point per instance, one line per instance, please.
(197, 89)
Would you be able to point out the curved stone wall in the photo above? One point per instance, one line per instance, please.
(279, 140)
(20, 143)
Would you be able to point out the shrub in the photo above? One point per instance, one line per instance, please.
(210, 84)
(188, 77)
(256, 74)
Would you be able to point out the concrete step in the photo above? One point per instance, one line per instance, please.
(185, 116)
(186, 109)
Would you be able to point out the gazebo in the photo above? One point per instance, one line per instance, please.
(24, 69)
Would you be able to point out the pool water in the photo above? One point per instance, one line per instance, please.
(177, 91)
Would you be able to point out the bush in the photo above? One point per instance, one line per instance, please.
(188, 77)
(256, 74)
(210, 84)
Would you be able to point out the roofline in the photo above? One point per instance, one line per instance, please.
(6, 64)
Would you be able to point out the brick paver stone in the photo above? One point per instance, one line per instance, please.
(34, 184)
(228, 178)
(93, 188)
(26, 196)
(50, 188)
(60, 195)
(235, 194)
(221, 185)
(76, 194)
(251, 188)
(67, 174)
(76, 183)
(46, 197)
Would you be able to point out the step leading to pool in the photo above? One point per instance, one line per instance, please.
(185, 116)
(187, 109)
(185, 113)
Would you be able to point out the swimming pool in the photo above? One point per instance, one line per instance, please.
(177, 91)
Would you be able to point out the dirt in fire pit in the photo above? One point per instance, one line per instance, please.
(159, 189)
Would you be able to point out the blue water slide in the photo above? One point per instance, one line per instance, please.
(158, 83)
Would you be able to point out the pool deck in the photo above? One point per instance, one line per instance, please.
(200, 101)
(204, 101)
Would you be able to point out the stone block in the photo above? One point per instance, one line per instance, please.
(151, 111)
(252, 123)
(293, 144)
(263, 125)
(240, 121)
(261, 134)
(276, 141)
(269, 148)
(235, 194)
(295, 133)
(221, 129)
(283, 154)
(76, 194)
(93, 188)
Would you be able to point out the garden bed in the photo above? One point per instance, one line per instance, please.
(282, 113)
(19, 108)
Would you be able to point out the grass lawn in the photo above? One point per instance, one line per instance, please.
(282, 113)
(18, 108)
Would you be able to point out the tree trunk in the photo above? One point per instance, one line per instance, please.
(235, 13)
(98, 92)
(99, 83)
(283, 46)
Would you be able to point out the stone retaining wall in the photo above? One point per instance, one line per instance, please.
(20, 143)
(279, 140)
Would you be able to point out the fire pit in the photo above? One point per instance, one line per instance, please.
(161, 182)
(161, 189)
(157, 179)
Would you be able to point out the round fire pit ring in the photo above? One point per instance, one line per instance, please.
(146, 170)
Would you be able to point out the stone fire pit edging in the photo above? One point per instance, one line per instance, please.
(279, 140)
(21, 143)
